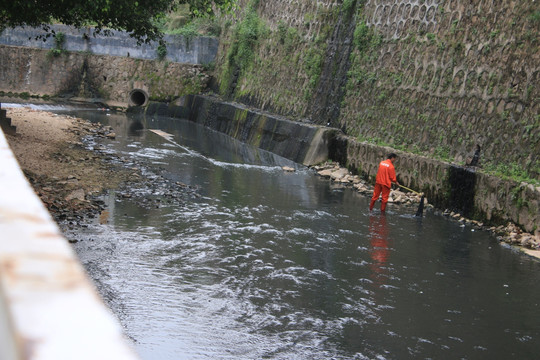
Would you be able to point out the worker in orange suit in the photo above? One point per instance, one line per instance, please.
(386, 175)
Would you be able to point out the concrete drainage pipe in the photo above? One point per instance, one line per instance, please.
(138, 97)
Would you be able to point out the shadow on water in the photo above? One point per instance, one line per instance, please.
(136, 128)
(270, 264)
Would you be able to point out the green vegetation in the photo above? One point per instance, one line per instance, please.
(24, 95)
(245, 39)
(348, 5)
(535, 17)
(139, 18)
(313, 63)
(181, 22)
(59, 41)
(494, 33)
(365, 38)
(432, 38)
(442, 152)
(514, 171)
(161, 52)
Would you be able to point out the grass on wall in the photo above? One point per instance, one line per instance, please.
(245, 39)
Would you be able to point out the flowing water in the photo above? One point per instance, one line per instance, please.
(270, 264)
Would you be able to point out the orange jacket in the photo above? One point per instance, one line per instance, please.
(386, 174)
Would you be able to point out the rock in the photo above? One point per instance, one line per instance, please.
(338, 174)
(287, 168)
(111, 135)
(325, 172)
(527, 240)
(76, 194)
(398, 199)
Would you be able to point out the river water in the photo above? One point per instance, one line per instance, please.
(259, 263)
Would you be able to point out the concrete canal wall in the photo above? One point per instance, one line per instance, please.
(303, 143)
(107, 69)
(107, 79)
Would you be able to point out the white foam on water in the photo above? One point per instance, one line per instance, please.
(223, 164)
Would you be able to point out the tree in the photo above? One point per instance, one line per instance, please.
(137, 17)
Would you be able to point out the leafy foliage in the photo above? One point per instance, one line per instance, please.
(139, 18)
(59, 40)
(161, 51)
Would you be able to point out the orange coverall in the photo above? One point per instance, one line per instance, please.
(386, 175)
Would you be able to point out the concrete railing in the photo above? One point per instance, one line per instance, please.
(49, 308)
(198, 50)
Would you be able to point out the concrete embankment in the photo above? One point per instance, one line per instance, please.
(466, 190)
(301, 142)
(49, 308)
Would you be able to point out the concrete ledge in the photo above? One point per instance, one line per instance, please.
(49, 309)
(303, 143)
(199, 50)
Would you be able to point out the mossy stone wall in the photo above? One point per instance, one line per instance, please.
(429, 77)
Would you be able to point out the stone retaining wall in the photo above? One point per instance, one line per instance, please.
(107, 79)
(467, 190)
(435, 77)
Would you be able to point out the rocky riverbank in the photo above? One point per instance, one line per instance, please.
(509, 234)
(66, 161)
(64, 170)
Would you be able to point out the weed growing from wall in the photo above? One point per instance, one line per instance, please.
(161, 52)
(59, 42)
(366, 39)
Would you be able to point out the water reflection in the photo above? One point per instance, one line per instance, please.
(379, 249)
(136, 128)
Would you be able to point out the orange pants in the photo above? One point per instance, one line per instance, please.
(376, 192)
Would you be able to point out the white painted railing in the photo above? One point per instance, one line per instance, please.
(49, 309)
